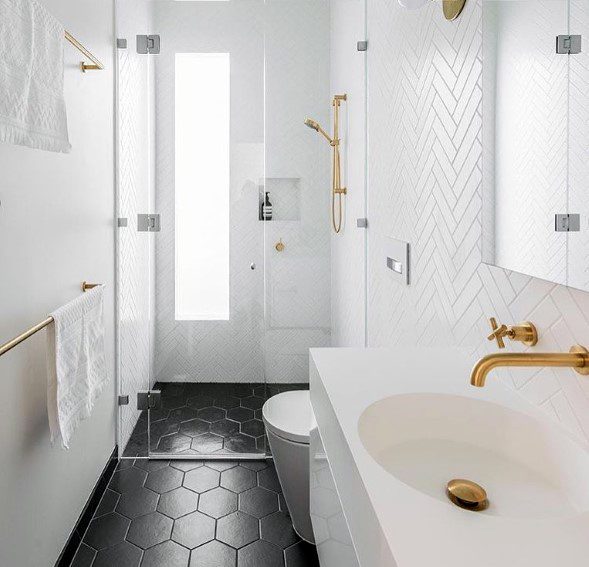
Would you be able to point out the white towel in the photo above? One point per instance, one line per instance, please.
(76, 366)
(32, 105)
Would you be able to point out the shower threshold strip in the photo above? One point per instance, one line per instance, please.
(228, 457)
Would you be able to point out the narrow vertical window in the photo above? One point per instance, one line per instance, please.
(202, 186)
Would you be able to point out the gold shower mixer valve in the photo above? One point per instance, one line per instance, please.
(280, 246)
(524, 332)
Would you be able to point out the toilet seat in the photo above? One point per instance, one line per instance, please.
(288, 415)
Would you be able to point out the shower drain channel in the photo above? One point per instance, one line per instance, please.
(467, 494)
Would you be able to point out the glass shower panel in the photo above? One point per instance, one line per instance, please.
(209, 263)
(297, 184)
(134, 248)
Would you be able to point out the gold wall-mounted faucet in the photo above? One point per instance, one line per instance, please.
(577, 358)
(524, 332)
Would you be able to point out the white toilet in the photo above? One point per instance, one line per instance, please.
(288, 418)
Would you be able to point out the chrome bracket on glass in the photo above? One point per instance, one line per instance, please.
(124, 400)
(568, 44)
(362, 46)
(152, 399)
(567, 223)
(149, 223)
(148, 44)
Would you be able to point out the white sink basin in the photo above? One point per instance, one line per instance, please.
(528, 467)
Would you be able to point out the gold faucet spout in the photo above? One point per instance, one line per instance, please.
(577, 358)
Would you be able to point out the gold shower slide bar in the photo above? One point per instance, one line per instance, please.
(35, 329)
(96, 64)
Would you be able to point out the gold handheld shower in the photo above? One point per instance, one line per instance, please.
(336, 188)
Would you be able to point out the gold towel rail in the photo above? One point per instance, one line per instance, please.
(35, 329)
(96, 64)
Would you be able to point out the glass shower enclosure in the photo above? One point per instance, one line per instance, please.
(223, 221)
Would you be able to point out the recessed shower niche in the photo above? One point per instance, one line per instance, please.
(285, 195)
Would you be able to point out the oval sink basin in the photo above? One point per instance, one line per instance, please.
(528, 466)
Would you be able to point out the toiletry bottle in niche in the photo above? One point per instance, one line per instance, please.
(267, 208)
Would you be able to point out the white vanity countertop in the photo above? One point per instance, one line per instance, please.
(394, 524)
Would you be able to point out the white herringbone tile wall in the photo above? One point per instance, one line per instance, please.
(425, 187)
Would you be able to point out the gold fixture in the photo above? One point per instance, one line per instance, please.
(35, 329)
(86, 286)
(280, 246)
(453, 8)
(524, 332)
(96, 64)
(577, 359)
(336, 188)
(467, 494)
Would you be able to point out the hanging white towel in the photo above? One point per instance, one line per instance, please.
(76, 367)
(32, 105)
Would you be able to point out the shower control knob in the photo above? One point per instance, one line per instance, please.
(252, 266)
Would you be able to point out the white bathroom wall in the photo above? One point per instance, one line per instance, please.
(425, 187)
(55, 231)
(348, 249)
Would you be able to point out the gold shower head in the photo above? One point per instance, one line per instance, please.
(315, 126)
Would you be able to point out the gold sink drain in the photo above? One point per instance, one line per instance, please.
(467, 494)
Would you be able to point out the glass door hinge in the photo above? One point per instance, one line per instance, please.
(362, 46)
(567, 222)
(148, 223)
(124, 400)
(568, 44)
(152, 399)
(148, 44)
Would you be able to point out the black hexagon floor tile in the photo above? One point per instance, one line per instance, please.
(254, 428)
(127, 480)
(238, 529)
(277, 529)
(258, 529)
(166, 554)
(227, 402)
(150, 465)
(147, 531)
(178, 502)
(201, 479)
(211, 414)
(123, 554)
(84, 556)
(108, 502)
(207, 443)
(225, 427)
(137, 503)
(238, 479)
(258, 502)
(252, 402)
(240, 443)
(173, 443)
(217, 502)
(260, 554)
(194, 427)
(240, 414)
(215, 554)
(193, 530)
(106, 531)
(269, 479)
(164, 480)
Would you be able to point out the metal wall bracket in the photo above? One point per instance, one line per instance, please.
(362, 223)
(362, 46)
(148, 44)
(124, 400)
(567, 223)
(148, 222)
(122, 222)
(152, 399)
(121, 43)
(568, 44)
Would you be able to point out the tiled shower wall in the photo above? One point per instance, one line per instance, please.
(280, 74)
(425, 187)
